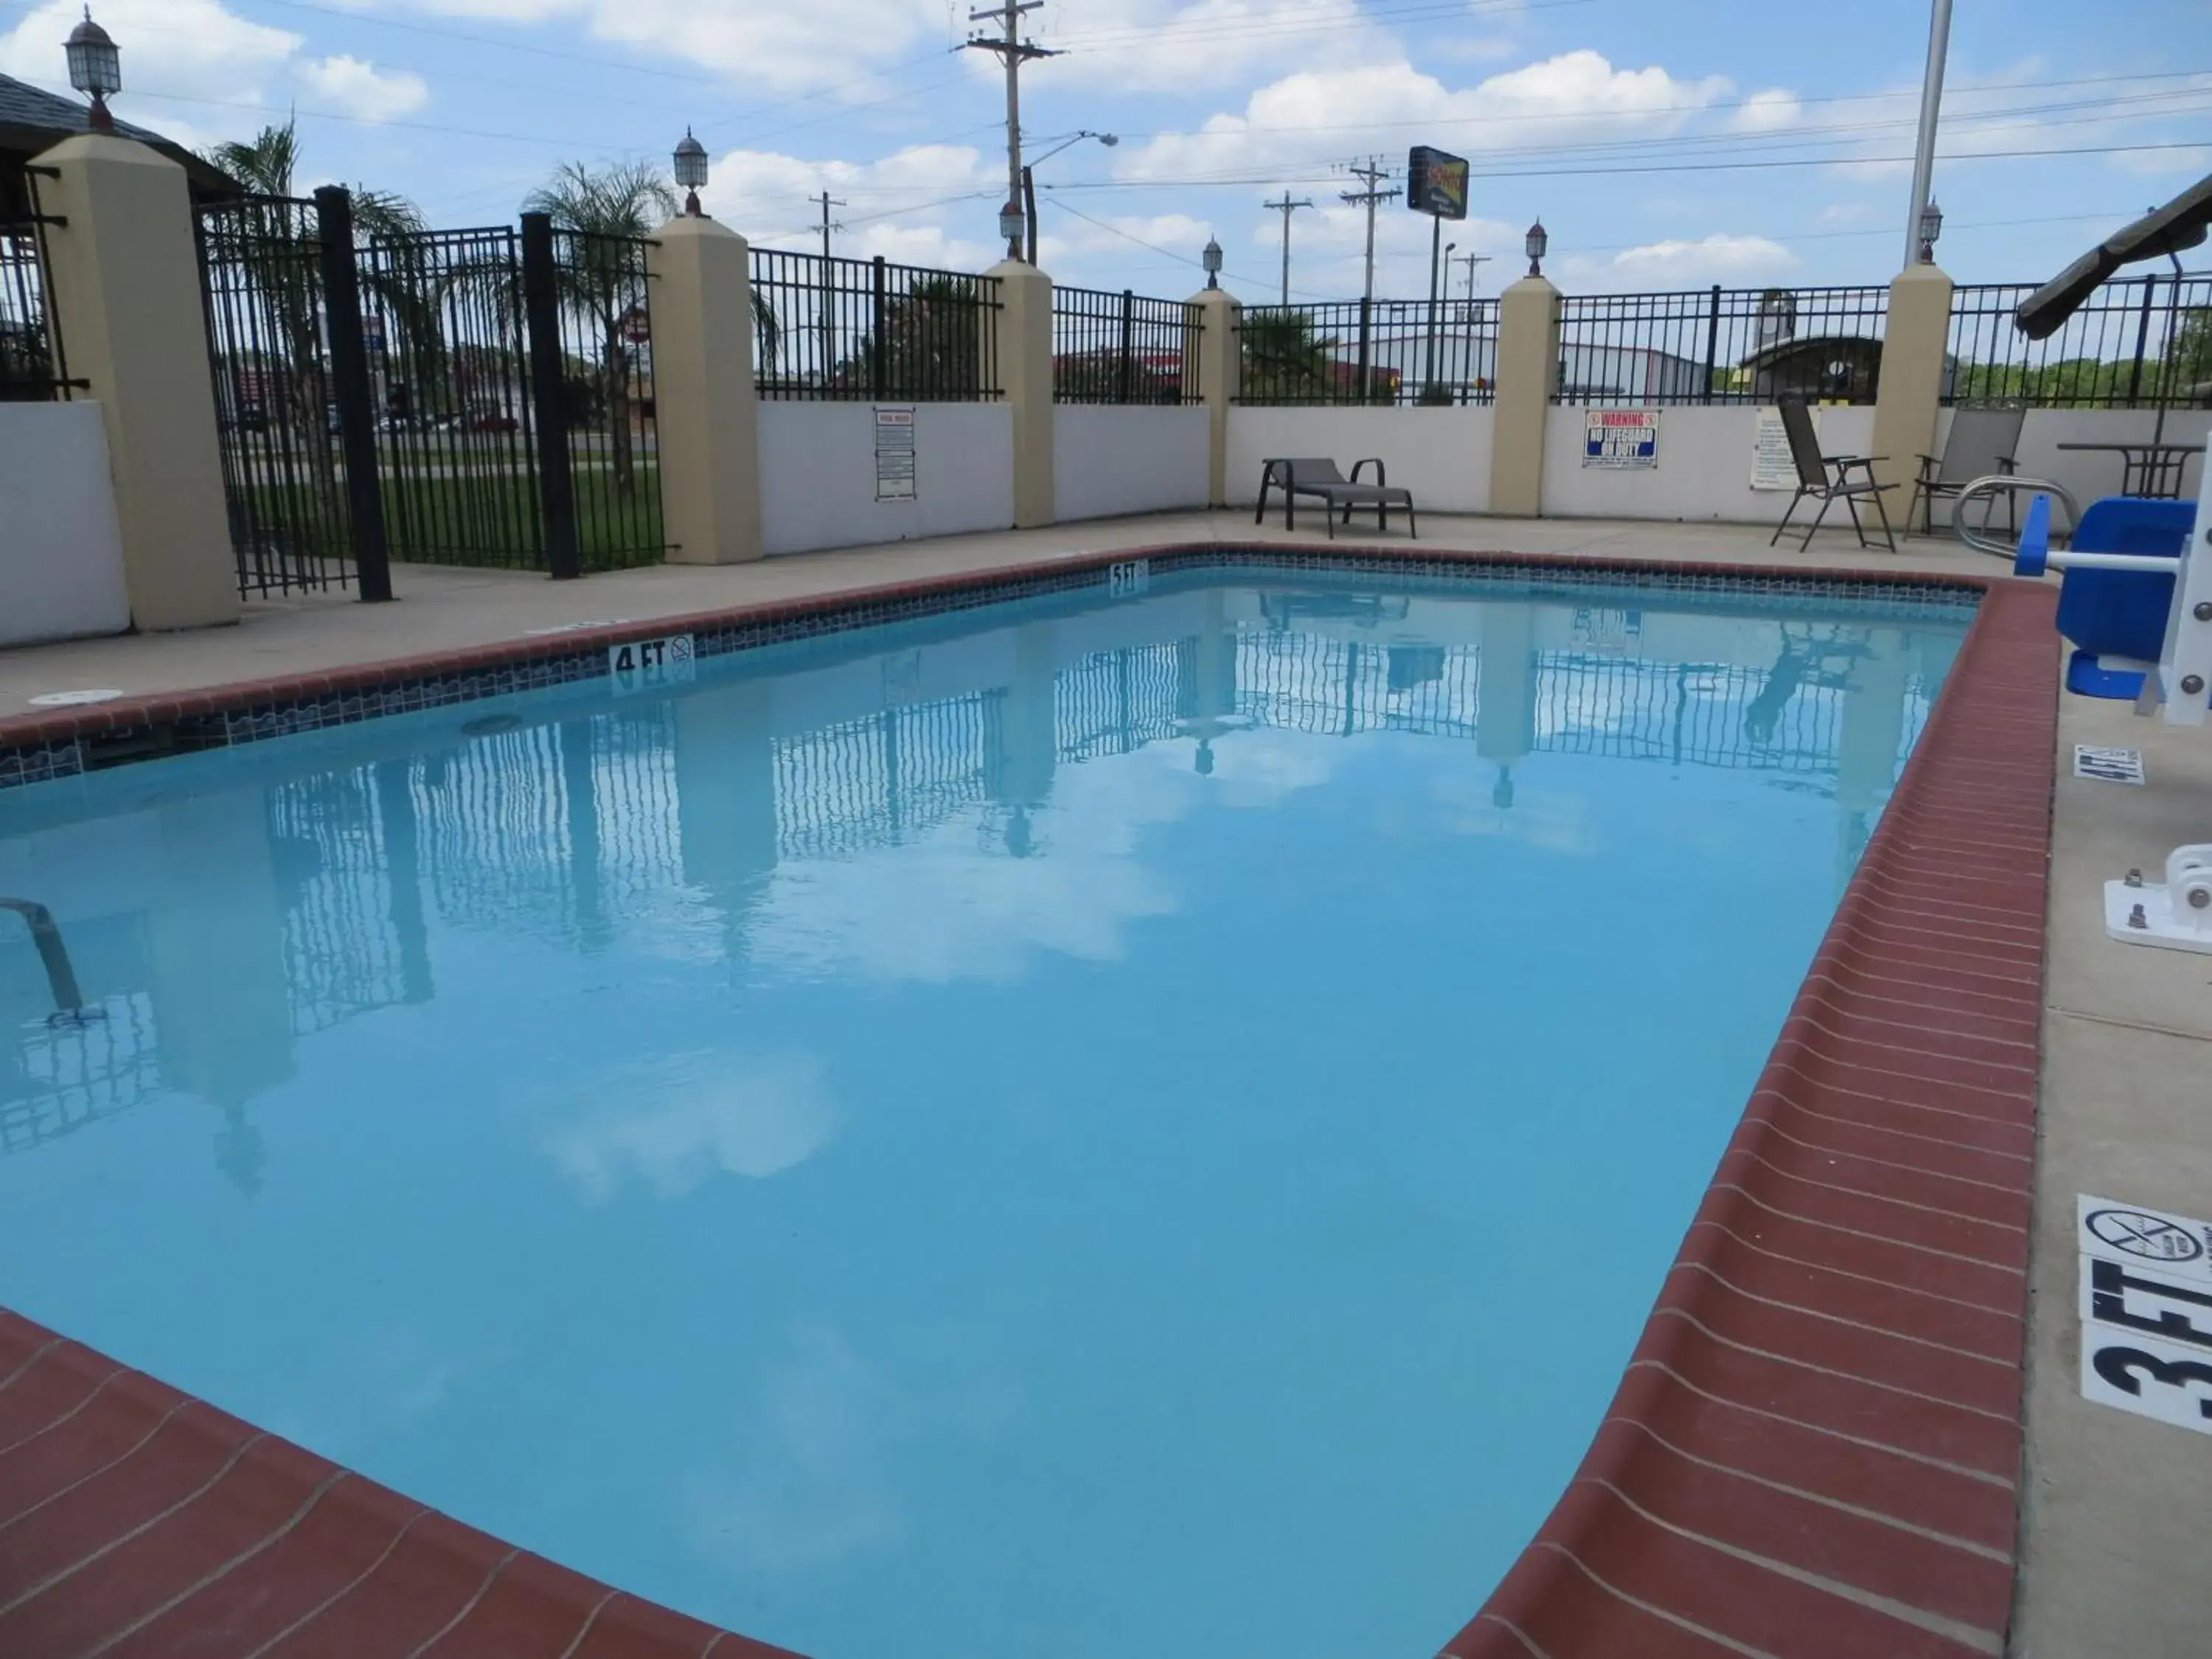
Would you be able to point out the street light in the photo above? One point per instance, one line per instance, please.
(690, 170)
(1535, 242)
(1212, 261)
(96, 67)
(1931, 227)
(1011, 222)
(1029, 180)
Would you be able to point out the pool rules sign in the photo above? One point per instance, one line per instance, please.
(2145, 1311)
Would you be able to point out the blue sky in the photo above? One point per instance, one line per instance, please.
(1626, 127)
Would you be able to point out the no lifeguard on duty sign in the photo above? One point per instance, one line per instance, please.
(1620, 437)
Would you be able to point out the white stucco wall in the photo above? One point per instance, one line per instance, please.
(1703, 471)
(61, 551)
(1442, 455)
(1108, 459)
(818, 467)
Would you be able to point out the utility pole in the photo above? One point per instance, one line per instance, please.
(1471, 260)
(829, 292)
(1286, 207)
(1012, 52)
(1931, 104)
(1372, 176)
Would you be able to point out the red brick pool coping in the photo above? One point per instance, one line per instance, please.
(1814, 1453)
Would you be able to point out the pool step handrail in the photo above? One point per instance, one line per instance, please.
(53, 955)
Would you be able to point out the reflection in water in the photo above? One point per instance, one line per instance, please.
(892, 1142)
(576, 830)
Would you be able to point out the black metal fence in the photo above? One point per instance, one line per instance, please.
(1124, 348)
(34, 367)
(870, 330)
(276, 405)
(477, 397)
(1359, 351)
(2144, 343)
(1721, 345)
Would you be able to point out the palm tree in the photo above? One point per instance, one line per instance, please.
(611, 207)
(1283, 361)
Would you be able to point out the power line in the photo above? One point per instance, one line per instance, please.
(1012, 52)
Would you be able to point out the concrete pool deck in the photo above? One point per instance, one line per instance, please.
(2108, 1563)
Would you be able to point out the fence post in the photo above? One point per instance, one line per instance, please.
(1022, 329)
(1712, 341)
(1527, 375)
(350, 390)
(541, 311)
(878, 348)
(1219, 351)
(1908, 399)
(1129, 324)
(126, 269)
(2142, 340)
(1366, 336)
(706, 398)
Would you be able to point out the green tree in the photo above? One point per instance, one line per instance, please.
(1284, 362)
(2188, 356)
(931, 342)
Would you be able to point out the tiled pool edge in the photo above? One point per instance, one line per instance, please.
(1816, 1448)
(1742, 1466)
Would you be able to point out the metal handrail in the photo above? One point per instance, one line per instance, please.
(53, 956)
(1997, 484)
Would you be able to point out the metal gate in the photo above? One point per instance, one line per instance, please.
(477, 397)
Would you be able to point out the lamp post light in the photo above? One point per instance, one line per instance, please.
(1029, 180)
(1211, 259)
(690, 170)
(95, 68)
(1931, 227)
(1535, 243)
(1011, 223)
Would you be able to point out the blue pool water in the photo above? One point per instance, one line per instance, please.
(1076, 1127)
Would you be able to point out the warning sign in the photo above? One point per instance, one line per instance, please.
(1620, 437)
(895, 474)
(2146, 1307)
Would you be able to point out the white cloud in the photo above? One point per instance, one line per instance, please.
(356, 88)
(1768, 112)
(685, 1118)
(1719, 258)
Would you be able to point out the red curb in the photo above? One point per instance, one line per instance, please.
(1812, 1454)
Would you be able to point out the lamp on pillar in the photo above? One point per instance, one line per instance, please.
(1931, 227)
(1535, 242)
(690, 170)
(1012, 221)
(1211, 259)
(95, 68)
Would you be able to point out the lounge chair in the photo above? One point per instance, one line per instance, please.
(1312, 476)
(1981, 444)
(1827, 479)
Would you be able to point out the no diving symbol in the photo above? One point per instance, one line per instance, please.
(2151, 1236)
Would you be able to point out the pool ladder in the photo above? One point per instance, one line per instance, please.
(53, 956)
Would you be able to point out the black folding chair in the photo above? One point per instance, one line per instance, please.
(1981, 444)
(1827, 479)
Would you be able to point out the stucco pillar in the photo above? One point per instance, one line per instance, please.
(1024, 344)
(705, 405)
(1910, 390)
(1527, 375)
(126, 291)
(1221, 319)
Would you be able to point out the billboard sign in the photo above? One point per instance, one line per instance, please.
(1436, 183)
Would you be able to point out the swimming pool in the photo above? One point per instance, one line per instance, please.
(1076, 1125)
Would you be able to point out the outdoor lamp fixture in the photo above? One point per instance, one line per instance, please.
(1535, 242)
(1012, 221)
(95, 68)
(1212, 261)
(690, 170)
(1931, 227)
